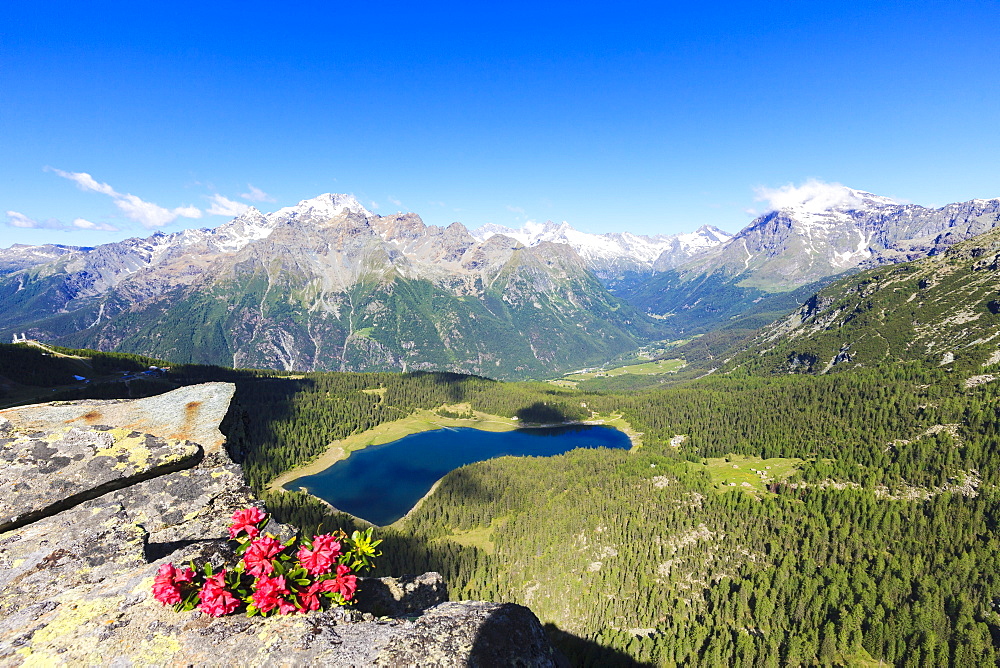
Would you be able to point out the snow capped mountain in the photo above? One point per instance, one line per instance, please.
(613, 254)
(825, 217)
(106, 265)
(821, 230)
(279, 280)
(324, 284)
(21, 256)
(326, 205)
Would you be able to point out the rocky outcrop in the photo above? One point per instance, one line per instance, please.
(99, 494)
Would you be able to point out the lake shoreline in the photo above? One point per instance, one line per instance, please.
(429, 420)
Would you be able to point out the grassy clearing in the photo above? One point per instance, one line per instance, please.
(427, 420)
(480, 537)
(379, 392)
(50, 351)
(750, 474)
(644, 369)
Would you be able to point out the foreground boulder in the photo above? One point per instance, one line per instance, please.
(99, 494)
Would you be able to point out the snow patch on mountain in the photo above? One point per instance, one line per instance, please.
(818, 197)
(600, 250)
(327, 204)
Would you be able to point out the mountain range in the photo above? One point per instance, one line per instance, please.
(328, 285)
(942, 310)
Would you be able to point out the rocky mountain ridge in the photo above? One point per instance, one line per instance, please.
(795, 245)
(943, 309)
(614, 256)
(782, 256)
(327, 285)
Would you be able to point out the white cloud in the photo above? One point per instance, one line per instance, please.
(15, 219)
(188, 211)
(223, 206)
(85, 181)
(395, 201)
(153, 215)
(813, 196)
(148, 214)
(84, 224)
(373, 204)
(515, 209)
(256, 195)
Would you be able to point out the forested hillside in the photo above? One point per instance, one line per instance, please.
(875, 542)
(943, 310)
(881, 547)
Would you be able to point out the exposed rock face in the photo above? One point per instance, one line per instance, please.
(189, 413)
(93, 510)
(50, 471)
(470, 633)
(324, 285)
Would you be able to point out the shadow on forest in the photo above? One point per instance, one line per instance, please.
(586, 653)
(452, 381)
(541, 413)
(257, 407)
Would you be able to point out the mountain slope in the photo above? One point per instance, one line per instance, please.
(943, 310)
(806, 244)
(618, 258)
(328, 285)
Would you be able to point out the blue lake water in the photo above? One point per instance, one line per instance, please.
(382, 482)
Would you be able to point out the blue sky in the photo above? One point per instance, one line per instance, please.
(648, 117)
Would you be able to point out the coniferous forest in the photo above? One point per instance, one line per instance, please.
(881, 547)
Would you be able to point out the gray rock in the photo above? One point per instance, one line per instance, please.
(398, 597)
(190, 413)
(57, 555)
(471, 633)
(50, 471)
(185, 506)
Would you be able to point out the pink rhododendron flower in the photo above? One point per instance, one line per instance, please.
(168, 583)
(216, 600)
(345, 583)
(258, 556)
(246, 520)
(268, 592)
(320, 558)
(309, 599)
(286, 607)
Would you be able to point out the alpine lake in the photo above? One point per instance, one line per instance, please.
(381, 483)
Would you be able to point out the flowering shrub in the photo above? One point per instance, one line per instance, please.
(271, 576)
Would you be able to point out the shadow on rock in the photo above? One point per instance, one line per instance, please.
(402, 596)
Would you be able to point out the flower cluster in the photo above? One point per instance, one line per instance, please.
(271, 576)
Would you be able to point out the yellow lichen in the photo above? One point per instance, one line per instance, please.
(134, 447)
(69, 617)
(160, 650)
(193, 515)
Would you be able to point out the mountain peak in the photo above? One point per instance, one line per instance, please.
(327, 204)
(817, 197)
